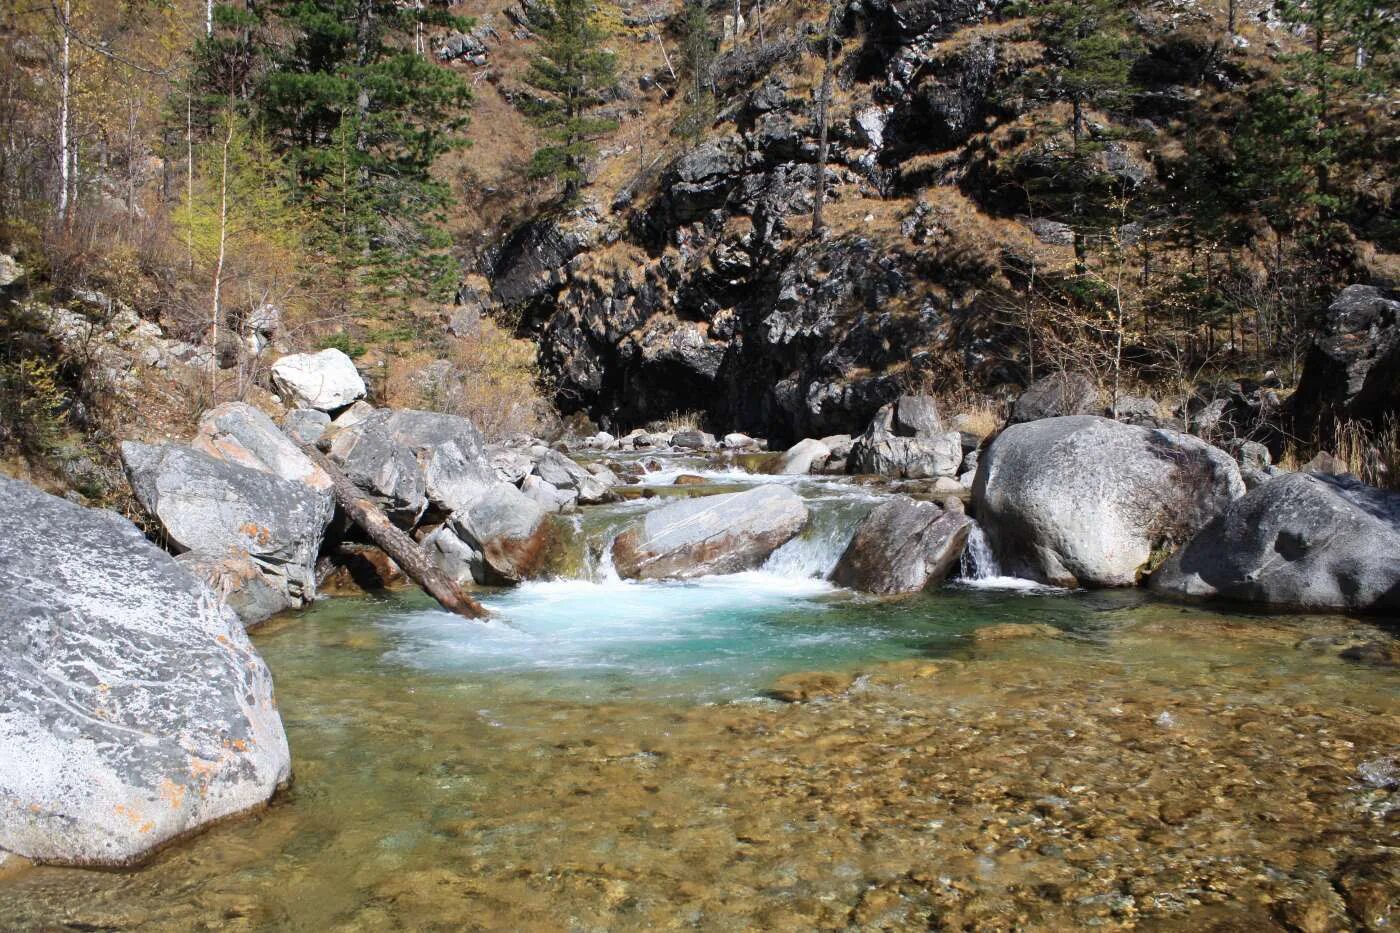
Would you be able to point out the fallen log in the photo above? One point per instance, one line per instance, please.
(406, 553)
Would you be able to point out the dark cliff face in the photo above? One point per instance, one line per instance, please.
(702, 289)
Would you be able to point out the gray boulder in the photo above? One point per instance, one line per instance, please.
(218, 509)
(840, 445)
(1303, 541)
(916, 416)
(510, 466)
(134, 710)
(388, 472)
(903, 546)
(325, 381)
(1353, 369)
(239, 433)
(803, 457)
(1055, 396)
(738, 441)
(710, 535)
(1086, 501)
(562, 473)
(306, 425)
(883, 450)
(550, 497)
(693, 440)
(501, 538)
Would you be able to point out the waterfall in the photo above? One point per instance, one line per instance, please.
(978, 561)
(814, 553)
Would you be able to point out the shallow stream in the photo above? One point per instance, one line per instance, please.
(606, 755)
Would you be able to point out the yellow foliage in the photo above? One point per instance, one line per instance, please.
(491, 378)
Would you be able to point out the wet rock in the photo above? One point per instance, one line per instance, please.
(710, 535)
(501, 538)
(690, 479)
(239, 433)
(1056, 395)
(1300, 540)
(903, 546)
(1085, 501)
(107, 638)
(803, 457)
(351, 569)
(218, 510)
(326, 381)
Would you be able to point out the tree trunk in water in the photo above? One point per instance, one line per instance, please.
(407, 554)
(823, 120)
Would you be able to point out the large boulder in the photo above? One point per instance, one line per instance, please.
(325, 381)
(1353, 370)
(1300, 540)
(710, 535)
(134, 709)
(903, 546)
(501, 538)
(803, 457)
(1086, 501)
(382, 468)
(218, 510)
(239, 433)
(1056, 396)
(900, 445)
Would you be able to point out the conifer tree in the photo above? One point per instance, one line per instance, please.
(573, 71)
(698, 45)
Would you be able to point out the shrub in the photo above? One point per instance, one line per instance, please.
(491, 378)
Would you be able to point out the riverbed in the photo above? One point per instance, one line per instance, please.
(614, 755)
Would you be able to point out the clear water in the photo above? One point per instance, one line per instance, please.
(605, 755)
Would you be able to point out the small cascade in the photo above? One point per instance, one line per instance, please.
(978, 561)
(814, 553)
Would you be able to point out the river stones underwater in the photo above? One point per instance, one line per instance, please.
(133, 708)
(726, 533)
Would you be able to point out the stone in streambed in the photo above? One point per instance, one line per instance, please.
(501, 538)
(903, 546)
(326, 381)
(1301, 540)
(135, 710)
(562, 473)
(810, 685)
(550, 497)
(1014, 631)
(904, 448)
(220, 510)
(1085, 501)
(803, 457)
(711, 535)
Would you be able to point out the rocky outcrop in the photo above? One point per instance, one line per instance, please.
(1353, 370)
(326, 381)
(134, 710)
(501, 538)
(1301, 540)
(239, 433)
(903, 546)
(1085, 501)
(906, 439)
(1055, 396)
(219, 510)
(710, 535)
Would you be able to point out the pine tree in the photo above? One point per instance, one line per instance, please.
(573, 71)
(350, 98)
(1089, 48)
(698, 47)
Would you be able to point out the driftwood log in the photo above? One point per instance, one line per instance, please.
(404, 550)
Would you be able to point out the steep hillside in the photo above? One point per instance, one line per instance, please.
(688, 278)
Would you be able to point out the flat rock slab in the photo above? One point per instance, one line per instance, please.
(133, 708)
(718, 534)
